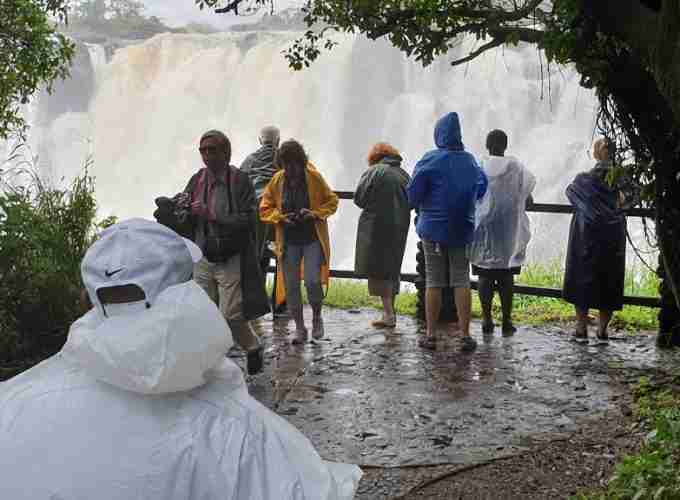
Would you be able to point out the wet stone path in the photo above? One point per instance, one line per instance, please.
(373, 398)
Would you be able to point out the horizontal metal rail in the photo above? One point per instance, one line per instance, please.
(549, 208)
(535, 291)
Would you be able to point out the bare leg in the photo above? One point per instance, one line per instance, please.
(505, 290)
(298, 317)
(463, 299)
(388, 308)
(485, 290)
(581, 322)
(317, 320)
(605, 318)
(433, 306)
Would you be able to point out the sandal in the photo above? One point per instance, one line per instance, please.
(427, 342)
(381, 323)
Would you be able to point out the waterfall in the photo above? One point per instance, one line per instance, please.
(152, 101)
(98, 60)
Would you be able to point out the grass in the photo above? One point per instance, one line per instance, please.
(654, 473)
(352, 294)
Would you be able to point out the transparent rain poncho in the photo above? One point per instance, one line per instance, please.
(502, 226)
(144, 405)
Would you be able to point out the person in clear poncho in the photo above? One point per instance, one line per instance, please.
(142, 403)
(503, 231)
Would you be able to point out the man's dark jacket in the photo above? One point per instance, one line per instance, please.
(240, 220)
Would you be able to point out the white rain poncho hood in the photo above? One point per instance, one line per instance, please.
(142, 404)
(503, 230)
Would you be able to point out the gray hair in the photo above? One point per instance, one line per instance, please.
(270, 135)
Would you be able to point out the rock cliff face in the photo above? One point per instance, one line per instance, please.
(67, 97)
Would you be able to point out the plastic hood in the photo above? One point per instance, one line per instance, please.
(495, 166)
(447, 133)
(167, 348)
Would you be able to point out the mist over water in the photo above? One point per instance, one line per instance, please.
(150, 103)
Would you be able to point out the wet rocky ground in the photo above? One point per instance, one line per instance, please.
(555, 411)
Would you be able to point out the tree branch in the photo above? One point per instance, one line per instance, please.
(495, 42)
(499, 37)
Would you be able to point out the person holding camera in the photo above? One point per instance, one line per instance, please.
(298, 201)
(221, 201)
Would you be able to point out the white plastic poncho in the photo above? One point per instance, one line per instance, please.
(143, 405)
(503, 231)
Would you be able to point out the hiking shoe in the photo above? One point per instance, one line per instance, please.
(318, 330)
(469, 344)
(300, 337)
(255, 360)
(384, 323)
(487, 328)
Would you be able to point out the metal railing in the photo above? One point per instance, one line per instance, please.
(537, 291)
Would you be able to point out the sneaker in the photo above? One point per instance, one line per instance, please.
(318, 330)
(255, 360)
(300, 337)
(469, 344)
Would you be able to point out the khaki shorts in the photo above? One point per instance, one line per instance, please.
(222, 282)
(438, 258)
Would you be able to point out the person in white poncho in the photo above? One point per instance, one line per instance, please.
(141, 402)
(503, 232)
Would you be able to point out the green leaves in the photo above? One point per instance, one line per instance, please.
(32, 55)
(654, 473)
(44, 233)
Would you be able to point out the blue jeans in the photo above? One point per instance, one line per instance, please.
(292, 260)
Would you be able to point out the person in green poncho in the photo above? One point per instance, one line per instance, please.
(383, 227)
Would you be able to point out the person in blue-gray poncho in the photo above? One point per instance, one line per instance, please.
(446, 184)
(596, 255)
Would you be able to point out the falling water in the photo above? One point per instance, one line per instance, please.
(152, 101)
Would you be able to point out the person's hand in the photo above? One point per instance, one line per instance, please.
(306, 214)
(199, 209)
(288, 219)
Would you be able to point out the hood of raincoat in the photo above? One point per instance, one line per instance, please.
(495, 166)
(167, 348)
(503, 229)
(446, 184)
(447, 133)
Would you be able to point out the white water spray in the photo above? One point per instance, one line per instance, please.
(153, 101)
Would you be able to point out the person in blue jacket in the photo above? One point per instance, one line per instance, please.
(446, 184)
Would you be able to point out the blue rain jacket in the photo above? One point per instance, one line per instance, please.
(446, 184)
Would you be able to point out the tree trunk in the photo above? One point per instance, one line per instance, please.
(668, 236)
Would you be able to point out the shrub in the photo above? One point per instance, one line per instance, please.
(44, 233)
